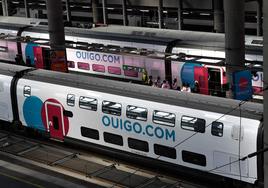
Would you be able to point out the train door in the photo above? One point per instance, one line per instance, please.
(214, 81)
(54, 119)
(201, 75)
(38, 57)
(41, 57)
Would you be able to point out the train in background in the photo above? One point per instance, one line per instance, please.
(193, 134)
(82, 58)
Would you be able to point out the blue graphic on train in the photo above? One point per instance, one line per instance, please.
(32, 112)
(136, 127)
(29, 52)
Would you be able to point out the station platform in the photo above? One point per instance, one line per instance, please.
(16, 174)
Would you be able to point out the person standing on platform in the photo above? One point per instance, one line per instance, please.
(196, 88)
(145, 77)
(183, 87)
(158, 81)
(165, 85)
(175, 84)
(188, 88)
(150, 80)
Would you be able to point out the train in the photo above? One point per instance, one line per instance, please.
(85, 54)
(191, 133)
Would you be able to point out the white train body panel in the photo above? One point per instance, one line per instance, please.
(217, 150)
(5, 99)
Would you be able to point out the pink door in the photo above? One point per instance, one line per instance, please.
(55, 122)
(201, 75)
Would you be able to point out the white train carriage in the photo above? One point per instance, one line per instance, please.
(186, 130)
(200, 44)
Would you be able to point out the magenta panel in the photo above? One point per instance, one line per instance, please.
(98, 68)
(114, 70)
(84, 66)
(131, 73)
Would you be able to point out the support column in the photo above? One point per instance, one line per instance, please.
(27, 11)
(160, 13)
(56, 35)
(124, 10)
(265, 85)
(259, 17)
(95, 11)
(105, 16)
(218, 16)
(5, 7)
(234, 12)
(180, 8)
(68, 12)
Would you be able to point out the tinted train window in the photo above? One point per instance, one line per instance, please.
(71, 64)
(138, 144)
(98, 68)
(70, 99)
(114, 70)
(83, 66)
(68, 113)
(131, 73)
(194, 158)
(111, 108)
(217, 129)
(165, 151)
(193, 124)
(88, 103)
(164, 118)
(113, 138)
(27, 91)
(134, 112)
(90, 133)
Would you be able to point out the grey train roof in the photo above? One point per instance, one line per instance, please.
(198, 38)
(192, 39)
(189, 100)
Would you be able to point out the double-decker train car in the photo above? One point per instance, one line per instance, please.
(185, 131)
(82, 58)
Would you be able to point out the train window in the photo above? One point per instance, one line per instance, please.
(194, 158)
(71, 64)
(113, 138)
(70, 100)
(134, 112)
(90, 133)
(257, 42)
(193, 124)
(111, 108)
(67, 113)
(164, 118)
(27, 91)
(165, 151)
(83, 66)
(88, 103)
(217, 129)
(131, 73)
(138, 144)
(98, 68)
(114, 70)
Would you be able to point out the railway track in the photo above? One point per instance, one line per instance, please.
(83, 165)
